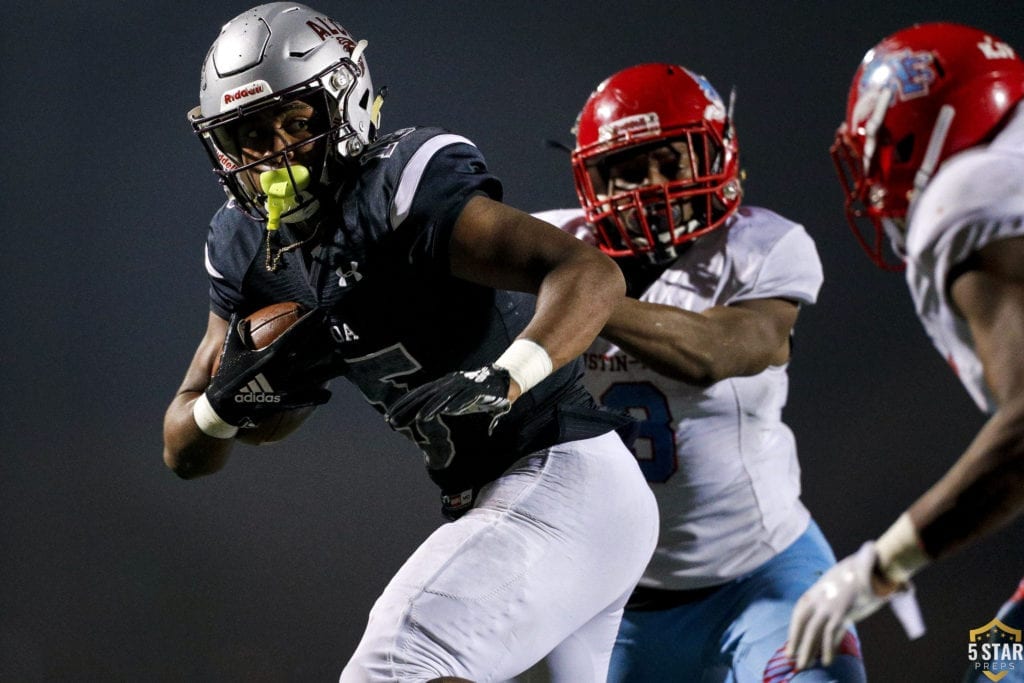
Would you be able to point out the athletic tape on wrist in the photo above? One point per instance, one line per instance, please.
(527, 363)
(209, 422)
(900, 554)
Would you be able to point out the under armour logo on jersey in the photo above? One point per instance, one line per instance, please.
(258, 390)
(352, 272)
(994, 49)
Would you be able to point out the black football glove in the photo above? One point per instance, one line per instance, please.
(458, 393)
(288, 373)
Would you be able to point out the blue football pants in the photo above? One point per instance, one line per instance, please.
(737, 634)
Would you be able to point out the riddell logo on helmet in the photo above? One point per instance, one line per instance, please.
(243, 94)
(638, 125)
(225, 161)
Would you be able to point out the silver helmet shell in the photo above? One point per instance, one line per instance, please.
(267, 56)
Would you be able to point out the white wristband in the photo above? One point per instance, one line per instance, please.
(527, 363)
(900, 554)
(209, 422)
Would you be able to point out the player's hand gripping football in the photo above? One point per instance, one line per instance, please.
(842, 596)
(251, 384)
(458, 393)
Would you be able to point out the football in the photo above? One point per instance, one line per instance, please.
(258, 330)
(276, 427)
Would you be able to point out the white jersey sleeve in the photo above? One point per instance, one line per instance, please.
(781, 256)
(975, 199)
(720, 460)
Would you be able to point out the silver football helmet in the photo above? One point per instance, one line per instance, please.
(266, 59)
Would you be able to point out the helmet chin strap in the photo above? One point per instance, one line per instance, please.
(897, 230)
(872, 125)
(931, 155)
(935, 144)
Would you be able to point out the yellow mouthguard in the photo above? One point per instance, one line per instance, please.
(280, 191)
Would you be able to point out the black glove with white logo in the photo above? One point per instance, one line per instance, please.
(457, 393)
(288, 373)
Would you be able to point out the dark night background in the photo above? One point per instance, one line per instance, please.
(112, 569)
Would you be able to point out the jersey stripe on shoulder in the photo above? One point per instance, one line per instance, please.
(413, 173)
(210, 270)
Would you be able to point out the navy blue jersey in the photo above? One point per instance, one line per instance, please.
(399, 315)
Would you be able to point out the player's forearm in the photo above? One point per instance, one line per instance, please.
(574, 301)
(692, 347)
(981, 492)
(576, 285)
(673, 342)
(187, 450)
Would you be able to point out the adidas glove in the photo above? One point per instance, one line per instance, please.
(251, 385)
(458, 393)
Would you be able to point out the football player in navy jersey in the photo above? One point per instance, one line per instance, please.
(459, 318)
(700, 348)
(931, 159)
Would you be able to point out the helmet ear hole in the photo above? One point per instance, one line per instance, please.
(905, 148)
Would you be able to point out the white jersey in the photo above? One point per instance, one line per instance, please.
(976, 198)
(721, 462)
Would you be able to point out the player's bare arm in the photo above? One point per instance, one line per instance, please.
(985, 488)
(187, 450)
(938, 205)
(577, 286)
(288, 360)
(703, 348)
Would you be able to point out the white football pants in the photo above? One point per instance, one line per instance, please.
(542, 564)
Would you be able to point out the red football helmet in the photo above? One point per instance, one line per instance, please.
(918, 97)
(646, 111)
